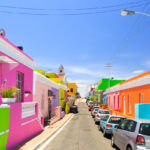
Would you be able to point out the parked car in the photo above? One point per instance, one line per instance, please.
(108, 123)
(94, 111)
(90, 103)
(87, 99)
(132, 134)
(100, 113)
(74, 109)
(90, 108)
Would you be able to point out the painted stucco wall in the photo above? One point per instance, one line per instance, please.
(134, 93)
(113, 100)
(61, 97)
(41, 90)
(142, 111)
(74, 87)
(104, 98)
(10, 74)
(55, 99)
(4, 126)
(20, 128)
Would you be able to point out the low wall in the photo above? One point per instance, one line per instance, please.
(142, 111)
(24, 122)
(4, 125)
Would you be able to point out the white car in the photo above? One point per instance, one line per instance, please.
(100, 113)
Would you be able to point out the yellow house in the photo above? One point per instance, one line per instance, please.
(72, 89)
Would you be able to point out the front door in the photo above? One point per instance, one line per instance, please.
(49, 107)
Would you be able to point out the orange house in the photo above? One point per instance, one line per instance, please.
(133, 91)
(72, 89)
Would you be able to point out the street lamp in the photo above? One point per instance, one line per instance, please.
(125, 12)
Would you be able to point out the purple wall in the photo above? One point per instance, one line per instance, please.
(55, 99)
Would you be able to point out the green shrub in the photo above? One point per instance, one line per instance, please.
(9, 92)
(92, 98)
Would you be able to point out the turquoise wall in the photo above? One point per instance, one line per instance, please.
(142, 111)
(104, 98)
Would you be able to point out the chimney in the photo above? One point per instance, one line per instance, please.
(20, 47)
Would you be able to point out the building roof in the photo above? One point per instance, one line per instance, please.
(105, 83)
(140, 80)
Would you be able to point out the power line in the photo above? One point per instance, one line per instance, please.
(66, 14)
(66, 9)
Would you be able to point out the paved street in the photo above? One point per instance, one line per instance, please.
(81, 133)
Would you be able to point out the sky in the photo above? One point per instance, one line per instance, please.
(83, 36)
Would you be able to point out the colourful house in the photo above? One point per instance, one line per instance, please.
(103, 85)
(46, 93)
(133, 96)
(72, 89)
(16, 72)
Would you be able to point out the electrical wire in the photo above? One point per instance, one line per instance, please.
(125, 38)
(64, 9)
(67, 14)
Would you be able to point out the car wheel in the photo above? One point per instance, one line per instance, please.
(104, 133)
(112, 142)
(129, 148)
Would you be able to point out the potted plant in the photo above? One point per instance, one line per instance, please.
(27, 93)
(8, 95)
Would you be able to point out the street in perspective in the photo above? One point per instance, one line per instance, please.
(75, 75)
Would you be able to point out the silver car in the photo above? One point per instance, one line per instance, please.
(94, 111)
(100, 113)
(90, 103)
(132, 134)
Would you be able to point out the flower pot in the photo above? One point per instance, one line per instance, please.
(8, 100)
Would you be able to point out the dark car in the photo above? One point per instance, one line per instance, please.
(74, 109)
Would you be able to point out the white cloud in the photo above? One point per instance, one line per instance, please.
(137, 71)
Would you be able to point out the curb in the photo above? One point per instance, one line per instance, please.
(51, 134)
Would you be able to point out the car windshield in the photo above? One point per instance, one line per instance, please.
(145, 129)
(96, 109)
(105, 112)
(116, 120)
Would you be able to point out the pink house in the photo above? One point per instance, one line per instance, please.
(16, 70)
(46, 94)
(113, 97)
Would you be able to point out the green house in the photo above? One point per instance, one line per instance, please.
(103, 85)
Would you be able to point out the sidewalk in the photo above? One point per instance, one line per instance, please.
(35, 141)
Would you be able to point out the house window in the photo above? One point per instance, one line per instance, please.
(129, 104)
(20, 86)
(141, 98)
(71, 90)
(42, 100)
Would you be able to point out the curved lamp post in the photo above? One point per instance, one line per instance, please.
(125, 12)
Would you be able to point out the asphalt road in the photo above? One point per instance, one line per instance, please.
(81, 133)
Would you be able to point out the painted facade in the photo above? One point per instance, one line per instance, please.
(72, 89)
(16, 70)
(46, 93)
(131, 92)
(105, 84)
(104, 98)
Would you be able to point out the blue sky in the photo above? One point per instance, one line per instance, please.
(83, 44)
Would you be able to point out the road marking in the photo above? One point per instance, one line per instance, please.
(53, 136)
